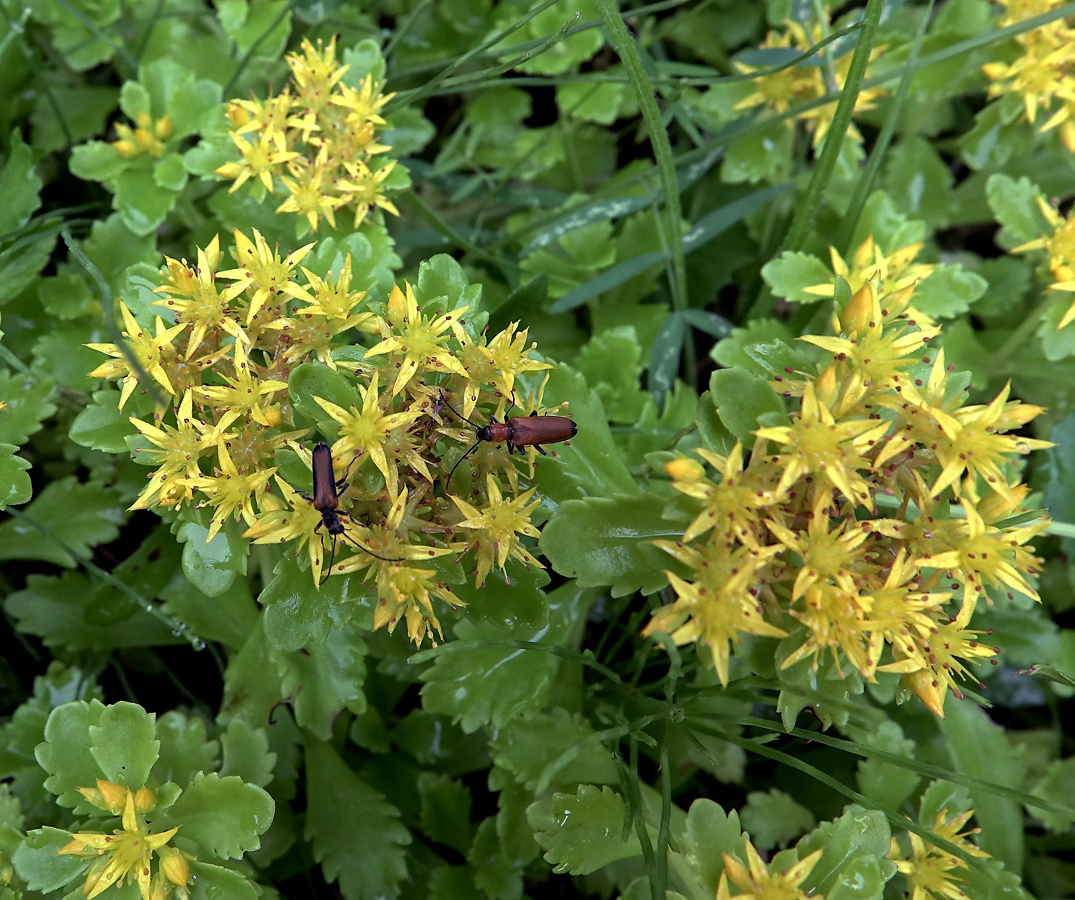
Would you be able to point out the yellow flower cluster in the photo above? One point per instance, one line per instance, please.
(1060, 246)
(1040, 74)
(315, 141)
(224, 367)
(755, 882)
(128, 851)
(869, 526)
(146, 137)
(933, 873)
(779, 91)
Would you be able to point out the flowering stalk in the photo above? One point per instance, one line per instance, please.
(128, 851)
(870, 526)
(315, 141)
(238, 336)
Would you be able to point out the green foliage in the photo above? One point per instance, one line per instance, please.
(578, 832)
(355, 833)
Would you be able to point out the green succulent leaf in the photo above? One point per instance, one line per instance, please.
(741, 400)
(15, 487)
(790, 273)
(553, 749)
(246, 753)
(608, 542)
(212, 567)
(225, 817)
(325, 679)
(87, 741)
(1015, 205)
(980, 748)
(710, 832)
(184, 748)
(38, 863)
(773, 818)
(584, 831)
(217, 881)
(445, 810)
(20, 185)
(478, 685)
(854, 847)
(356, 834)
(27, 404)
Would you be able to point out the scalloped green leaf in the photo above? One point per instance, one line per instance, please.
(792, 272)
(102, 425)
(827, 691)
(853, 846)
(212, 567)
(73, 612)
(773, 818)
(981, 749)
(189, 107)
(38, 863)
(478, 685)
(81, 516)
(494, 872)
(919, 180)
(134, 97)
(554, 749)
(948, 291)
(354, 832)
(21, 262)
(759, 156)
(709, 832)
(74, 112)
(97, 161)
(15, 486)
(445, 810)
(1058, 786)
(123, 744)
(215, 882)
(611, 363)
(27, 403)
(608, 542)
(251, 685)
(887, 784)
(227, 618)
(312, 380)
(589, 463)
(246, 753)
(20, 185)
(66, 753)
(185, 748)
(1015, 205)
(741, 399)
(443, 284)
(298, 614)
(582, 832)
(170, 173)
(224, 816)
(326, 679)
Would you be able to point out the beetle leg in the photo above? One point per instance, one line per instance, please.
(341, 485)
(540, 450)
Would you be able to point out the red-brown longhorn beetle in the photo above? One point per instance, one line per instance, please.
(516, 431)
(326, 500)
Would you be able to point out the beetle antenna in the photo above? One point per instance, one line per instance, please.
(448, 483)
(331, 560)
(444, 400)
(367, 550)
